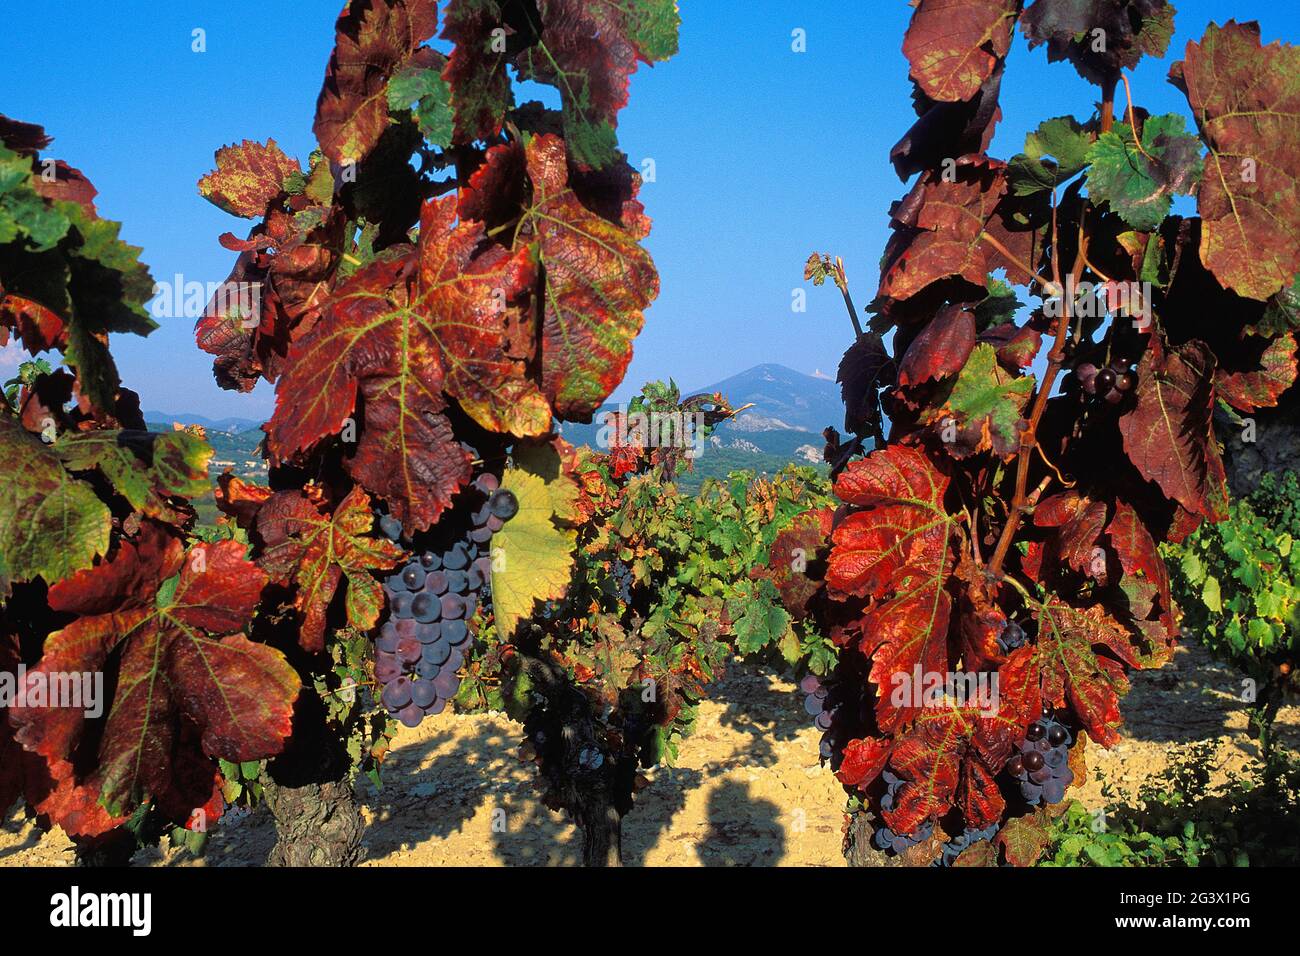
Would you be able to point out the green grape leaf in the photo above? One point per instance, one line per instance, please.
(984, 408)
(1139, 184)
(1054, 153)
(51, 525)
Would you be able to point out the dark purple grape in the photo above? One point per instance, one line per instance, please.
(1053, 791)
(823, 720)
(455, 660)
(457, 582)
(426, 608)
(429, 633)
(1087, 374)
(480, 517)
(1105, 380)
(1016, 766)
(447, 683)
(457, 559)
(471, 605)
(1035, 731)
(394, 584)
(437, 707)
(812, 705)
(495, 524)
(430, 561)
(436, 583)
(400, 604)
(423, 693)
(386, 668)
(388, 638)
(1065, 775)
(436, 653)
(487, 483)
(390, 527)
(456, 632)
(453, 606)
(1041, 775)
(1033, 761)
(408, 651)
(1032, 792)
(1126, 381)
(1054, 757)
(474, 577)
(410, 716)
(426, 670)
(1057, 736)
(810, 684)
(503, 504)
(413, 577)
(397, 694)
(481, 535)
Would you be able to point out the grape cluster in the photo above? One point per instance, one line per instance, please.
(958, 844)
(422, 645)
(1012, 637)
(823, 713)
(886, 839)
(1042, 765)
(623, 581)
(1110, 384)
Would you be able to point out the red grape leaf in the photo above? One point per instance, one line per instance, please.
(1078, 521)
(1069, 659)
(476, 70)
(896, 548)
(953, 46)
(941, 349)
(1246, 100)
(1024, 838)
(1252, 389)
(862, 762)
(314, 551)
(793, 550)
(374, 41)
(865, 368)
(937, 229)
(248, 178)
(904, 520)
(599, 281)
(1126, 28)
(943, 761)
(1169, 433)
(588, 50)
(1145, 579)
(462, 301)
(178, 658)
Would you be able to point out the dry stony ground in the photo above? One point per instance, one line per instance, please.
(748, 792)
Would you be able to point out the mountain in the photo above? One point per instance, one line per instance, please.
(782, 398)
(212, 424)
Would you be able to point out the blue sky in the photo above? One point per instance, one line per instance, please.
(762, 154)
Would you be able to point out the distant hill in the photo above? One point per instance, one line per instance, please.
(785, 425)
(212, 424)
(782, 398)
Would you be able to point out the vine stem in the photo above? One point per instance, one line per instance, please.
(841, 280)
(1021, 502)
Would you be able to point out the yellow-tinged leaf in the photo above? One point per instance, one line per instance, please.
(532, 557)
